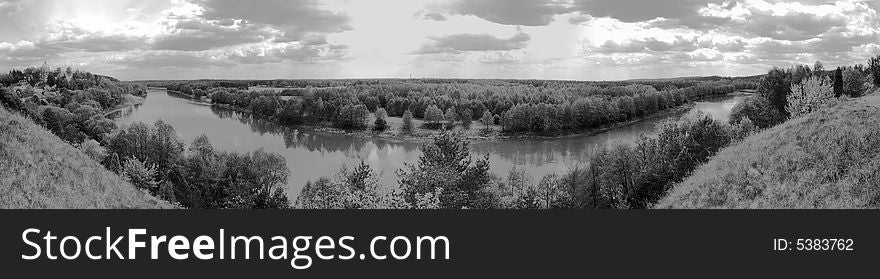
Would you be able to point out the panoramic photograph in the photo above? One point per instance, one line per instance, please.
(432, 104)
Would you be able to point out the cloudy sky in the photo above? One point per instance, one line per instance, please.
(543, 39)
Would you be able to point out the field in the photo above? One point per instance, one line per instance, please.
(828, 159)
(42, 171)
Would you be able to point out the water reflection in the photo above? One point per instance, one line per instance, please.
(312, 154)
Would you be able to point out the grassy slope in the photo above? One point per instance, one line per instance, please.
(39, 170)
(828, 159)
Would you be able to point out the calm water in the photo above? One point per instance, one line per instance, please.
(311, 155)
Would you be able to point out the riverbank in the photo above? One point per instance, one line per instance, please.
(130, 100)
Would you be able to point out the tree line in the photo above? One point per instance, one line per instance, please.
(543, 107)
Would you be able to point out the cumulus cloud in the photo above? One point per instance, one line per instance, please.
(458, 43)
(791, 26)
(295, 17)
(200, 34)
(639, 10)
(517, 12)
(168, 59)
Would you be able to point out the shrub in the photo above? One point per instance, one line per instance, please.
(380, 124)
(853, 82)
(811, 95)
(758, 110)
(140, 174)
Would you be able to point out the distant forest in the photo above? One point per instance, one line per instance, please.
(542, 107)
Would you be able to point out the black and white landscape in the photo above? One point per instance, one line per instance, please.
(426, 104)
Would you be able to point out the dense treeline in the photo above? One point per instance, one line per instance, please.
(526, 106)
(802, 89)
(595, 110)
(72, 104)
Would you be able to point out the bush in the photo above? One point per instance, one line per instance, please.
(811, 95)
(380, 124)
(853, 82)
(758, 110)
(140, 174)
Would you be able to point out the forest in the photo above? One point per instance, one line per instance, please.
(518, 106)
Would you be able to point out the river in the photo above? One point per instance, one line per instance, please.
(311, 155)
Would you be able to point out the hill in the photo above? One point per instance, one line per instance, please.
(828, 159)
(39, 170)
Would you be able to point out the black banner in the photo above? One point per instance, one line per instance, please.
(496, 244)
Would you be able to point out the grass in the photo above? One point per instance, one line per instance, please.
(39, 170)
(827, 159)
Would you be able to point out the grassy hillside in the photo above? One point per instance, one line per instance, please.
(39, 170)
(828, 159)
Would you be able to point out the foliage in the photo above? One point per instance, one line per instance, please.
(94, 150)
(625, 176)
(811, 95)
(775, 87)
(204, 178)
(758, 110)
(140, 174)
(874, 69)
(466, 118)
(381, 113)
(853, 82)
(450, 117)
(353, 117)
(446, 164)
(380, 124)
(407, 127)
(838, 82)
(433, 117)
(487, 119)
(356, 188)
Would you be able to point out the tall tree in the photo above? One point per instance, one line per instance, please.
(874, 69)
(407, 127)
(446, 164)
(838, 82)
(450, 117)
(433, 116)
(487, 119)
(853, 82)
(775, 87)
